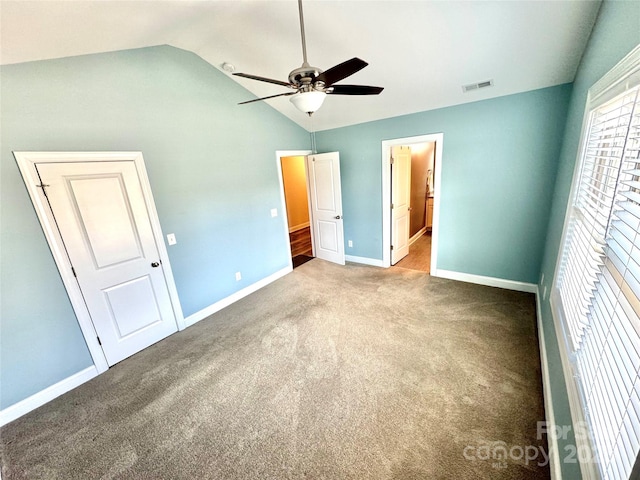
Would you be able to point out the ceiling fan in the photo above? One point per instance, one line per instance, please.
(311, 85)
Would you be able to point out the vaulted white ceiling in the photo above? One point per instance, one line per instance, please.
(422, 52)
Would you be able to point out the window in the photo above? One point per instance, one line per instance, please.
(596, 293)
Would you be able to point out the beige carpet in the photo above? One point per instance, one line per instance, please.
(329, 373)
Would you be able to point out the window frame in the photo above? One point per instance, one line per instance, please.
(619, 79)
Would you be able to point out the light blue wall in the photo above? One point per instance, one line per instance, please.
(615, 34)
(212, 169)
(498, 170)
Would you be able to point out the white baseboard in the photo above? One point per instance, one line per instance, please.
(415, 238)
(552, 440)
(299, 227)
(364, 260)
(225, 302)
(36, 400)
(488, 281)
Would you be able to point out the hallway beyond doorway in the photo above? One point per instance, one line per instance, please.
(419, 257)
(301, 242)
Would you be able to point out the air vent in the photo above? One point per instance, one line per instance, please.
(476, 86)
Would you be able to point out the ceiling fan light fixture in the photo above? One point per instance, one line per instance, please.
(308, 102)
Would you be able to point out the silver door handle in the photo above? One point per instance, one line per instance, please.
(337, 217)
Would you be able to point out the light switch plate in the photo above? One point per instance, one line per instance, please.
(171, 238)
(274, 212)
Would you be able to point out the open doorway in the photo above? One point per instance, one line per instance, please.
(421, 191)
(321, 178)
(424, 194)
(295, 199)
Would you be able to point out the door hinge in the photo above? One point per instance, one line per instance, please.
(43, 186)
(391, 161)
(392, 206)
(99, 342)
(74, 272)
(391, 247)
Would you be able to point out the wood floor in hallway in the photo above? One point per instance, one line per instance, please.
(301, 242)
(419, 257)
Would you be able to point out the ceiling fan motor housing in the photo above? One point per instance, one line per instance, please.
(305, 75)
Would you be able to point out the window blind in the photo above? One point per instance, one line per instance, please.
(598, 282)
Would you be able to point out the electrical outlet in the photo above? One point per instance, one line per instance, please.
(171, 238)
(350, 243)
(238, 276)
(274, 212)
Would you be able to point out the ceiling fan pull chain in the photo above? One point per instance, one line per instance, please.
(314, 150)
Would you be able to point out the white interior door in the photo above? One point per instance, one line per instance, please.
(101, 214)
(400, 202)
(326, 206)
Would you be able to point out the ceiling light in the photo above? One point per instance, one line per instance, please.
(308, 102)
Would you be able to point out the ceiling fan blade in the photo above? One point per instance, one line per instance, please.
(263, 79)
(343, 70)
(355, 90)
(267, 98)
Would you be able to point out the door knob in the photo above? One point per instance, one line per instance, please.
(337, 217)
(155, 264)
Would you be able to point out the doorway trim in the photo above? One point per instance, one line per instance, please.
(438, 138)
(27, 164)
(283, 202)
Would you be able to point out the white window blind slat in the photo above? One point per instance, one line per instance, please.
(624, 230)
(628, 208)
(635, 408)
(611, 382)
(630, 306)
(631, 425)
(632, 195)
(632, 183)
(623, 363)
(628, 354)
(627, 218)
(632, 279)
(626, 441)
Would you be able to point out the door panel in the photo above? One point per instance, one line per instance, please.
(400, 240)
(328, 236)
(128, 317)
(401, 202)
(101, 213)
(97, 198)
(325, 196)
(326, 206)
